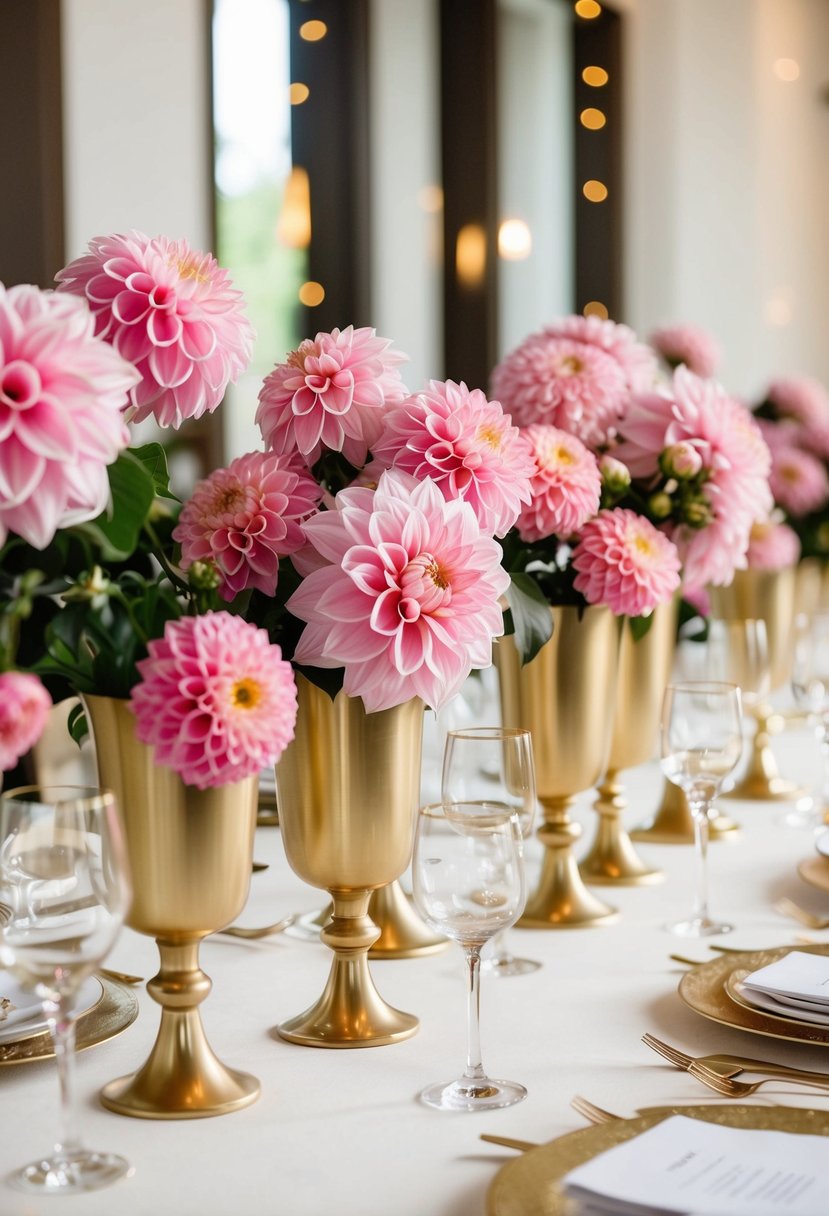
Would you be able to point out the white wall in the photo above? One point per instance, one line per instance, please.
(136, 127)
(726, 177)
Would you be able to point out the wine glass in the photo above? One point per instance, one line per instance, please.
(493, 766)
(65, 879)
(810, 685)
(468, 880)
(701, 744)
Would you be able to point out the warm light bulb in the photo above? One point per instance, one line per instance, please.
(298, 93)
(588, 9)
(470, 255)
(430, 198)
(312, 31)
(595, 308)
(592, 118)
(594, 192)
(294, 225)
(595, 77)
(786, 69)
(311, 294)
(515, 241)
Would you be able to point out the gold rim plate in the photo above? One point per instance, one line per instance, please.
(815, 872)
(529, 1184)
(703, 989)
(115, 1011)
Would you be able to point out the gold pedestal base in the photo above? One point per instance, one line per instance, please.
(402, 933)
(561, 900)
(762, 781)
(182, 1078)
(350, 1012)
(612, 860)
(674, 823)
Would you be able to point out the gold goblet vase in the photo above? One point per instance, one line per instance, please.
(190, 852)
(348, 788)
(566, 697)
(644, 670)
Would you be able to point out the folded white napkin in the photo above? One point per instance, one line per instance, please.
(20, 1013)
(798, 978)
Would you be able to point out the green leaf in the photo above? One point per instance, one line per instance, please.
(117, 529)
(639, 625)
(77, 724)
(154, 459)
(532, 620)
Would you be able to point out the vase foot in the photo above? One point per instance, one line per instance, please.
(757, 787)
(573, 908)
(402, 933)
(374, 1026)
(147, 1095)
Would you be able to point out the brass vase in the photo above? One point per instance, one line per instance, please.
(644, 671)
(348, 788)
(402, 932)
(190, 851)
(566, 697)
(767, 595)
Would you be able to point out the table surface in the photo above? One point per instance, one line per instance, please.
(342, 1131)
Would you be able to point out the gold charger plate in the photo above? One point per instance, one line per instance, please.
(115, 1011)
(529, 1185)
(815, 871)
(703, 989)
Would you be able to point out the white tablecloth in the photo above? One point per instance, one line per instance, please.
(341, 1131)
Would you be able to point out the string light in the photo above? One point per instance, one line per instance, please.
(595, 308)
(312, 31)
(786, 69)
(515, 241)
(470, 255)
(588, 9)
(311, 294)
(594, 191)
(594, 76)
(592, 118)
(298, 93)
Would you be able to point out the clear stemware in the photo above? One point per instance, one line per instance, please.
(810, 686)
(701, 745)
(468, 879)
(493, 766)
(64, 875)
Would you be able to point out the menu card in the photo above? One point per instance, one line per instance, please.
(797, 976)
(693, 1168)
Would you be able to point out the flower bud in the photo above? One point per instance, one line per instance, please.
(680, 460)
(615, 475)
(93, 587)
(660, 505)
(204, 576)
(697, 512)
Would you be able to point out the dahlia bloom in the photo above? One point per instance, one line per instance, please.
(62, 392)
(576, 374)
(735, 460)
(799, 481)
(467, 446)
(408, 602)
(802, 398)
(566, 487)
(24, 707)
(245, 517)
(773, 546)
(170, 311)
(216, 699)
(331, 393)
(623, 561)
(688, 344)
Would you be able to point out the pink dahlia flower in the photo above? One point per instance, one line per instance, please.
(799, 481)
(171, 312)
(216, 699)
(62, 392)
(688, 344)
(245, 517)
(773, 546)
(331, 393)
(408, 603)
(735, 460)
(467, 446)
(802, 398)
(576, 375)
(24, 707)
(566, 487)
(624, 562)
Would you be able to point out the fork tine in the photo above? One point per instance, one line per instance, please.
(722, 1085)
(672, 1054)
(591, 1112)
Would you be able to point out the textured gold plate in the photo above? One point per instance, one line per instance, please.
(703, 989)
(815, 871)
(529, 1185)
(114, 1012)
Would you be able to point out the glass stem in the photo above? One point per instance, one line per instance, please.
(62, 1025)
(474, 1067)
(699, 810)
(823, 737)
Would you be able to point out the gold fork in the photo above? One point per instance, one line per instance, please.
(731, 1088)
(263, 931)
(787, 907)
(591, 1112)
(729, 1065)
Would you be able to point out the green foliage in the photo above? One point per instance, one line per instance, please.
(529, 618)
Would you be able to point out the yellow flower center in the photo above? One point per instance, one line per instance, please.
(231, 499)
(246, 694)
(644, 546)
(489, 436)
(571, 365)
(437, 575)
(191, 267)
(296, 358)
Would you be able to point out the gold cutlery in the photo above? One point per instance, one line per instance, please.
(787, 907)
(122, 977)
(688, 962)
(507, 1142)
(743, 1089)
(729, 1065)
(591, 1112)
(263, 931)
(259, 866)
